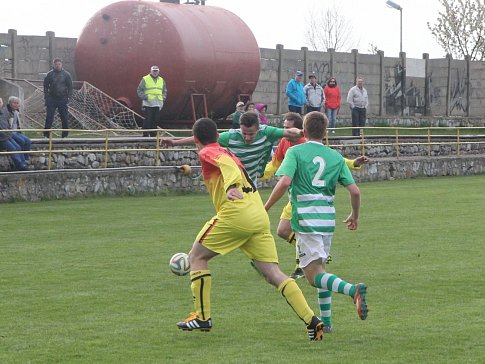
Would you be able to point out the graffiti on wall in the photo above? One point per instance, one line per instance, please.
(458, 93)
(321, 70)
(413, 96)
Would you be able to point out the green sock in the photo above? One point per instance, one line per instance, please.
(325, 303)
(334, 284)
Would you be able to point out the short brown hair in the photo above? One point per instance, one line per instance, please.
(295, 118)
(249, 118)
(315, 125)
(205, 130)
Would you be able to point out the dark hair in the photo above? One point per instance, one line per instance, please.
(57, 60)
(247, 105)
(295, 118)
(315, 124)
(331, 79)
(205, 130)
(249, 118)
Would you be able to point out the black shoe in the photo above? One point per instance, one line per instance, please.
(193, 323)
(65, 134)
(315, 329)
(298, 273)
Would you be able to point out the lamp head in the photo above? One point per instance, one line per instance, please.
(392, 4)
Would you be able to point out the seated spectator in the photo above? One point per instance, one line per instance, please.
(8, 143)
(261, 108)
(23, 141)
(237, 114)
(250, 106)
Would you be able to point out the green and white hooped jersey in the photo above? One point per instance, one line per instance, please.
(315, 170)
(254, 156)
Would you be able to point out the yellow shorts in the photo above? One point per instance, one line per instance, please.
(286, 213)
(222, 238)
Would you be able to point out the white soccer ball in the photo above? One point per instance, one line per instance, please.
(179, 264)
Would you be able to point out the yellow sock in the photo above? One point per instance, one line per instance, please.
(294, 296)
(201, 291)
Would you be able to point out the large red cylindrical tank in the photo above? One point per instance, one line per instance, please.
(199, 49)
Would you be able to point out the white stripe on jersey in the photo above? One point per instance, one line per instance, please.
(316, 222)
(316, 210)
(314, 197)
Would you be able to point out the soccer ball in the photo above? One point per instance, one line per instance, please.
(179, 264)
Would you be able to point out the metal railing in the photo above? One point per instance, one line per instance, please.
(395, 137)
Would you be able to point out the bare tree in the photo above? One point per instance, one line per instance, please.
(373, 48)
(329, 29)
(460, 28)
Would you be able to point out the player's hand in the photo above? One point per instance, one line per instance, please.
(166, 142)
(361, 160)
(351, 222)
(234, 194)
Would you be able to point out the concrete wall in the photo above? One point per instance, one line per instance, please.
(432, 87)
(40, 185)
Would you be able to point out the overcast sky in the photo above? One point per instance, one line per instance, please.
(272, 21)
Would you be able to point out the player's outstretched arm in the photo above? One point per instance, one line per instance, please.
(169, 142)
(278, 191)
(353, 220)
(359, 161)
(293, 134)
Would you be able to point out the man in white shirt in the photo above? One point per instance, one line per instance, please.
(358, 102)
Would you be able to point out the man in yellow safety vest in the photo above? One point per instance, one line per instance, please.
(152, 90)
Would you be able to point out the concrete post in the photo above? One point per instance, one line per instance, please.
(427, 105)
(13, 45)
(305, 63)
(402, 55)
(382, 110)
(52, 46)
(355, 53)
(448, 85)
(468, 65)
(279, 49)
(331, 51)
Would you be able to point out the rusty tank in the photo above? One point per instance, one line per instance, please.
(207, 55)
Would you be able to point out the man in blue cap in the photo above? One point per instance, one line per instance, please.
(295, 93)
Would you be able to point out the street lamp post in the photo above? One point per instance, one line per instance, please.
(393, 5)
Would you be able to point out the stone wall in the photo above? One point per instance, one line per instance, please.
(41, 185)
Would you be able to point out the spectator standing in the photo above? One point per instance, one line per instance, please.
(152, 90)
(22, 140)
(358, 102)
(237, 114)
(314, 95)
(57, 92)
(332, 101)
(7, 143)
(261, 108)
(295, 93)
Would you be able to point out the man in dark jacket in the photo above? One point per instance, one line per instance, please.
(57, 91)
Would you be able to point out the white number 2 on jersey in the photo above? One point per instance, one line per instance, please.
(317, 180)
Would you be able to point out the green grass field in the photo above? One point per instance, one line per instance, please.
(87, 281)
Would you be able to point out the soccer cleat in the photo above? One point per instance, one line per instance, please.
(194, 323)
(328, 329)
(298, 273)
(359, 300)
(315, 329)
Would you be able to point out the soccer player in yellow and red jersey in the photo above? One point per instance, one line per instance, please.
(240, 222)
(294, 120)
